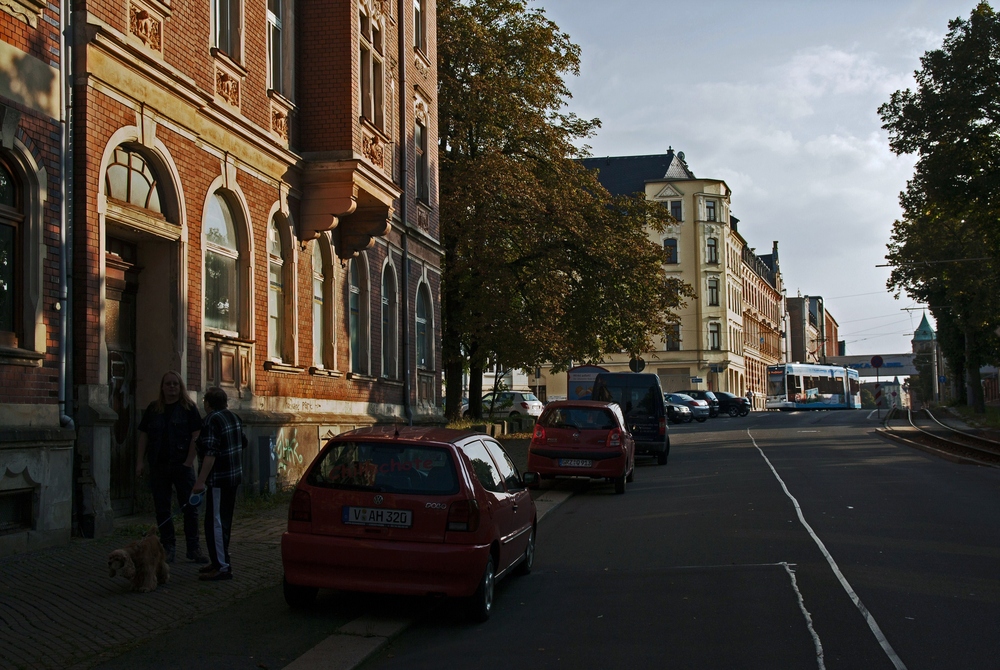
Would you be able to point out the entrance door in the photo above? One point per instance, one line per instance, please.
(119, 336)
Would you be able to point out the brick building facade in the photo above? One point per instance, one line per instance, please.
(254, 206)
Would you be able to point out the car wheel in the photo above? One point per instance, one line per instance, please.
(745, 412)
(661, 458)
(299, 597)
(701, 419)
(630, 477)
(620, 484)
(513, 415)
(524, 567)
(481, 603)
(734, 411)
(688, 419)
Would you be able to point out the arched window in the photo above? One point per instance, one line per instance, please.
(222, 258)
(11, 259)
(670, 251)
(712, 250)
(358, 316)
(320, 323)
(276, 302)
(389, 322)
(130, 179)
(425, 351)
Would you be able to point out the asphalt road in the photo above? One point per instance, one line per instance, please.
(796, 540)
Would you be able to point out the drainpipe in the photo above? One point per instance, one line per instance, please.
(64, 303)
(403, 199)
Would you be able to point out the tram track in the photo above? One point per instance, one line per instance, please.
(940, 439)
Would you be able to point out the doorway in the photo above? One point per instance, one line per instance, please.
(121, 288)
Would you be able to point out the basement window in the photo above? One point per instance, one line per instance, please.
(15, 510)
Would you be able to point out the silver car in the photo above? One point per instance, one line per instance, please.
(699, 408)
(510, 403)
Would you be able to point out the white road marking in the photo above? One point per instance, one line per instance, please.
(872, 624)
(871, 412)
(809, 620)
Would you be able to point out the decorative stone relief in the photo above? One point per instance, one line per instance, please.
(421, 110)
(374, 150)
(228, 87)
(146, 27)
(423, 220)
(418, 62)
(28, 11)
(279, 123)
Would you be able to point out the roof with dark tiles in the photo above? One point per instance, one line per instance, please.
(625, 175)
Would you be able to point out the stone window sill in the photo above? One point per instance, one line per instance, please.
(283, 368)
(15, 356)
(323, 372)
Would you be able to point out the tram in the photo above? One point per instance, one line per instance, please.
(803, 386)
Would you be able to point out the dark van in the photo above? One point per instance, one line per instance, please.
(641, 399)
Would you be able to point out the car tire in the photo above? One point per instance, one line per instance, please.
(620, 484)
(299, 597)
(630, 477)
(701, 419)
(688, 419)
(661, 458)
(524, 567)
(481, 603)
(734, 411)
(745, 412)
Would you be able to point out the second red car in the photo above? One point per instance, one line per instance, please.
(583, 438)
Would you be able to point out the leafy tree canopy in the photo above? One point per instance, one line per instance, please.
(945, 250)
(541, 263)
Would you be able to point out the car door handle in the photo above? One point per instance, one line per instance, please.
(515, 507)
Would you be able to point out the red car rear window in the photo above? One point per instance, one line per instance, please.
(580, 418)
(389, 468)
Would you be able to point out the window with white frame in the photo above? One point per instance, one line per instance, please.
(713, 292)
(425, 350)
(710, 210)
(372, 70)
(670, 251)
(712, 250)
(419, 26)
(389, 323)
(673, 337)
(358, 316)
(714, 336)
(320, 324)
(275, 50)
(228, 19)
(222, 261)
(276, 299)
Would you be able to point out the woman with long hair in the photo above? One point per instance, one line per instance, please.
(167, 434)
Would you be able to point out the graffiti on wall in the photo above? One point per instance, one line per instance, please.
(291, 455)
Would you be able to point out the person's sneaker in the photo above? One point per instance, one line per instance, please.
(197, 557)
(216, 576)
(171, 554)
(208, 568)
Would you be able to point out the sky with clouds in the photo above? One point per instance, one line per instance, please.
(780, 99)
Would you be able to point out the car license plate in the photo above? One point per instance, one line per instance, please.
(575, 463)
(374, 516)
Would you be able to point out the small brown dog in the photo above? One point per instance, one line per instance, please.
(144, 562)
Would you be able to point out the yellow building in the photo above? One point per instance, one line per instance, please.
(730, 331)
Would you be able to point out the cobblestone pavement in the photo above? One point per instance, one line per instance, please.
(60, 609)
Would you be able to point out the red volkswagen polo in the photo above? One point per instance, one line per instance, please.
(413, 511)
(583, 438)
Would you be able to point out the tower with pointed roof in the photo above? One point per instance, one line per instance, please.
(925, 359)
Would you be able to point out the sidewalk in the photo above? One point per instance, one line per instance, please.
(60, 609)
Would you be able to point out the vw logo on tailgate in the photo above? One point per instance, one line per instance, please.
(378, 500)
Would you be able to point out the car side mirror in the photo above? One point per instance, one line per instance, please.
(531, 480)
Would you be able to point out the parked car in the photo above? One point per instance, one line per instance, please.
(509, 403)
(641, 400)
(412, 511)
(707, 396)
(582, 438)
(699, 408)
(733, 405)
(676, 412)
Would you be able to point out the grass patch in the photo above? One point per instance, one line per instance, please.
(989, 420)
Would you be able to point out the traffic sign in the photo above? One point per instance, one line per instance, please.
(877, 361)
(697, 380)
(637, 365)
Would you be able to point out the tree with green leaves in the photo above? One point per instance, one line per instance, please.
(541, 264)
(945, 251)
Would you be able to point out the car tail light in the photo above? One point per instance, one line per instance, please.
(692, 403)
(663, 426)
(614, 438)
(464, 516)
(525, 405)
(539, 435)
(301, 507)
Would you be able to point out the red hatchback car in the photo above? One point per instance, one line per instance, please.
(412, 511)
(583, 438)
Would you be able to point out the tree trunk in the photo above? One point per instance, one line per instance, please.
(973, 382)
